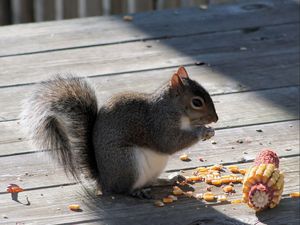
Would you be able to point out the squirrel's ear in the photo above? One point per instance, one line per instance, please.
(176, 82)
(182, 72)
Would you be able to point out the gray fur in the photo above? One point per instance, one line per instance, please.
(60, 116)
(67, 122)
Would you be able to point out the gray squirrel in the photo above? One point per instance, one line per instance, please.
(125, 144)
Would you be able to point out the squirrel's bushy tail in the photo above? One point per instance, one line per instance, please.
(59, 116)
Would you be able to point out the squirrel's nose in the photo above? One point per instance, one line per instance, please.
(214, 118)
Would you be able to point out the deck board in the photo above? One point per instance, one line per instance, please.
(44, 208)
(250, 78)
(214, 48)
(250, 55)
(279, 105)
(111, 30)
(38, 171)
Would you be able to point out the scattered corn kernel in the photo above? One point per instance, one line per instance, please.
(233, 168)
(236, 201)
(184, 157)
(193, 178)
(159, 203)
(209, 196)
(216, 167)
(167, 200)
(199, 196)
(74, 207)
(177, 190)
(222, 198)
(216, 182)
(173, 197)
(202, 169)
(228, 189)
(295, 195)
(242, 171)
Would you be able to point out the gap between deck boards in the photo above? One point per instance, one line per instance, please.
(142, 40)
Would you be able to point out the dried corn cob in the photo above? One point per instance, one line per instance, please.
(263, 183)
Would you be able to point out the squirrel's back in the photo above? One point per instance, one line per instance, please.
(60, 116)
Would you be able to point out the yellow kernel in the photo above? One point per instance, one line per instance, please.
(193, 178)
(202, 169)
(177, 190)
(184, 157)
(209, 196)
(74, 207)
(228, 189)
(225, 180)
(232, 167)
(242, 171)
(236, 201)
(159, 203)
(216, 182)
(295, 195)
(216, 167)
(222, 198)
(173, 197)
(167, 200)
(234, 170)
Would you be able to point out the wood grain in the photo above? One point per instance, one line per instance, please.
(245, 75)
(214, 49)
(105, 30)
(50, 206)
(282, 137)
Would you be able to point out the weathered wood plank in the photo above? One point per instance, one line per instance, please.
(211, 48)
(104, 30)
(43, 172)
(50, 206)
(233, 109)
(244, 76)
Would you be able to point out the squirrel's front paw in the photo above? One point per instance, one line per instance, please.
(208, 133)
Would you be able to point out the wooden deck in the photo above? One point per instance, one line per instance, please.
(246, 55)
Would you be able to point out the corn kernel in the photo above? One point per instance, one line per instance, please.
(216, 182)
(74, 207)
(233, 168)
(209, 196)
(222, 198)
(177, 190)
(228, 189)
(202, 169)
(295, 195)
(167, 200)
(159, 203)
(193, 178)
(216, 167)
(236, 201)
(242, 171)
(184, 157)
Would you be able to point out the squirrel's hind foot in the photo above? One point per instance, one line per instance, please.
(144, 193)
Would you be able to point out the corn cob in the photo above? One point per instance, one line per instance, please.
(263, 183)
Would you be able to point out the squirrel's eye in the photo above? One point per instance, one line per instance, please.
(197, 102)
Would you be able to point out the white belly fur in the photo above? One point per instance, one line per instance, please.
(150, 164)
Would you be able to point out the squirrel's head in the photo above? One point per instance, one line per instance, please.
(194, 99)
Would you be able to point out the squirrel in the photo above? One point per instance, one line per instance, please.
(125, 144)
